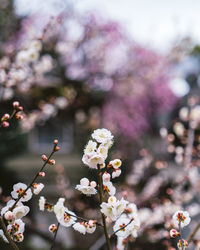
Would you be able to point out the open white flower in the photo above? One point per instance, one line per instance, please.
(102, 135)
(20, 211)
(80, 227)
(113, 208)
(109, 188)
(18, 189)
(102, 151)
(93, 160)
(16, 227)
(115, 163)
(181, 218)
(91, 226)
(120, 225)
(63, 215)
(37, 188)
(90, 147)
(126, 226)
(85, 187)
(131, 210)
(9, 204)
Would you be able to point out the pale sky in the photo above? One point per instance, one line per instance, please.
(155, 23)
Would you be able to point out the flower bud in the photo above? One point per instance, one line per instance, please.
(20, 108)
(55, 142)
(52, 162)
(106, 177)
(44, 157)
(56, 148)
(16, 105)
(174, 233)
(5, 117)
(19, 117)
(53, 228)
(42, 174)
(5, 124)
(9, 215)
(93, 184)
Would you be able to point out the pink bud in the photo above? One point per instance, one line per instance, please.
(5, 124)
(55, 142)
(19, 117)
(52, 228)
(174, 233)
(42, 174)
(52, 162)
(5, 117)
(93, 184)
(15, 104)
(9, 215)
(20, 108)
(44, 157)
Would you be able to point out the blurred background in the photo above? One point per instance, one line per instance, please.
(126, 65)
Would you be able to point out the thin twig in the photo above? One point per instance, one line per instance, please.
(30, 185)
(191, 236)
(121, 228)
(86, 220)
(54, 238)
(7, 235)
(100, 189)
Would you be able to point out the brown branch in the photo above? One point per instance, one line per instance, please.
(191, 236)
(7, 235)
(121, 228)
(30, 185)
(100, 189)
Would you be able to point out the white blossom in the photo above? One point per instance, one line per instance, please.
(63, 215)
(109, 188)
(115, 163)
(80, 227)
(37, 188)
(90, 148)
(116, 173)
(113, 208)
(85, 187)
(181, 218)
(18, 189)
(20, 211)
(102, 135)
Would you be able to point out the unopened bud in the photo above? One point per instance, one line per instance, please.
(56, 148)
(174, 233)
(93, 184)
(9, 215)
(5, 124)
(5, 117)
(44, 157)
(55, 142)
(19, 117)
(52, 162)
(15, 105)
(52, 228)
(20, 108)
(42, 174)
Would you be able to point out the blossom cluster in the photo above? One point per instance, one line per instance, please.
(14, 211)
(180, 220)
